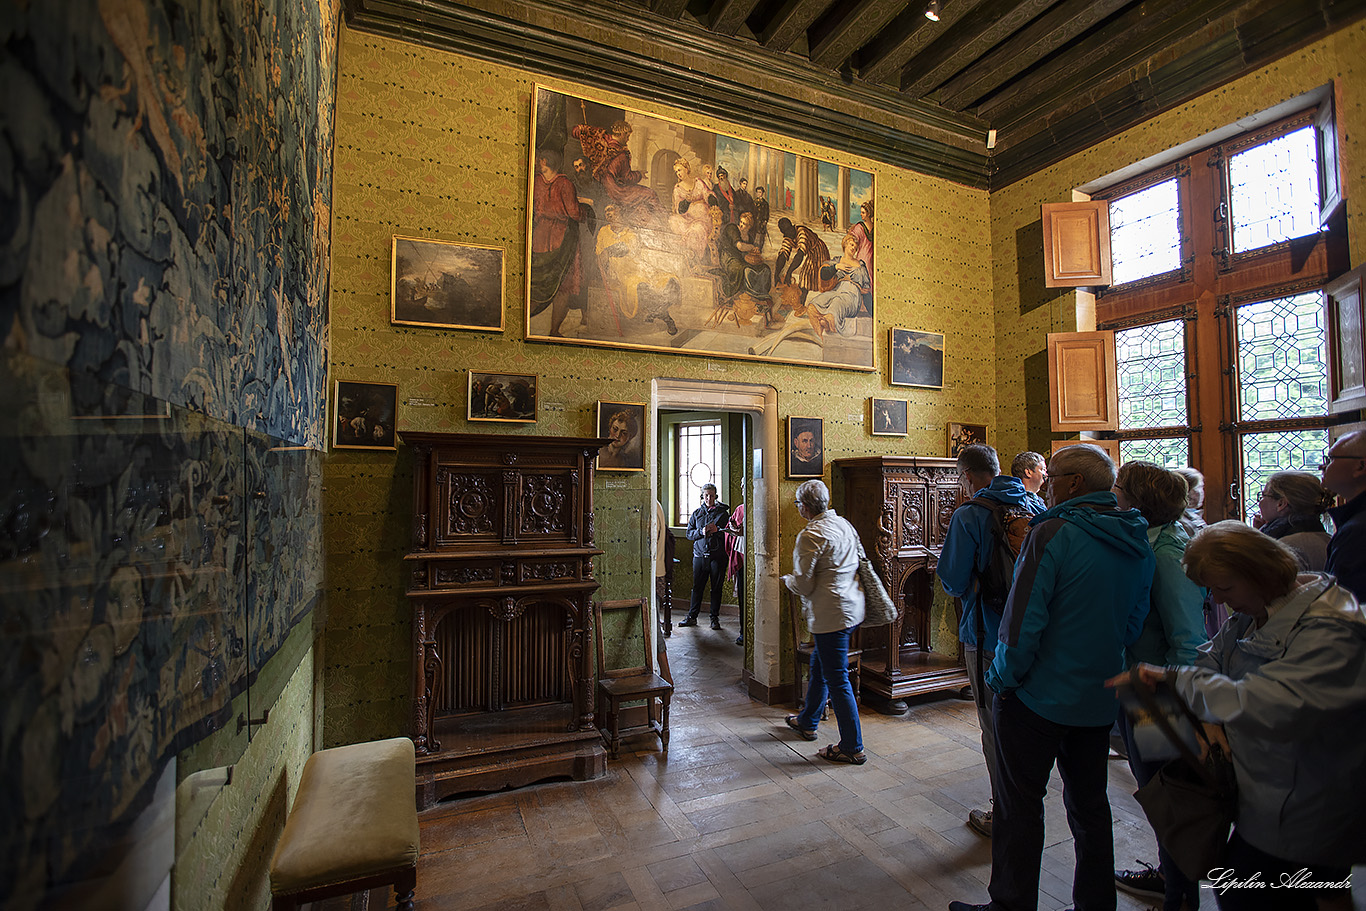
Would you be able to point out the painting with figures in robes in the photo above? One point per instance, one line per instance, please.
(648, 233)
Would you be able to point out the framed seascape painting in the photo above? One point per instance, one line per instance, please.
(805, 447)
(364, 415)
(960, 435)
(647, 233)
(916, 358)
(502, 397)
(446, 285)
(888, 417)
(621, 422)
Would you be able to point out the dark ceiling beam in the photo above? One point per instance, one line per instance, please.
(905, 134)
(1125, 40)
(836, 35)
(880, 60)
(727, 16)
(1053, 30)
(972, 37)
(790, 22)
(669, 9)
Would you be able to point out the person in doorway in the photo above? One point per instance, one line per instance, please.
(735, 562)
(706, 531)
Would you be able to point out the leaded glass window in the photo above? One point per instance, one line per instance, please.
(1267, 453)
(1152, 375)
(699, 462)
(1274, 190)
(1145, 233)
(1282, 358)
(1173, 452)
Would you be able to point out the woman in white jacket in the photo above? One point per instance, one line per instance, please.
(1286, 677)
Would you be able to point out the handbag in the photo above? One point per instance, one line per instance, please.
(879, 608)
(1190, 803)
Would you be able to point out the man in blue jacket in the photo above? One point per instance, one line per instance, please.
(1080, 596)
(967, 550)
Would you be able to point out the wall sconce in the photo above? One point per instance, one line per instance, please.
(932, 11)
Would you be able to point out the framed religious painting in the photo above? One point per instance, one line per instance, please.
(805, 447)
(621, 422)
(446, 285)
(650, 233)
(915, 358)
(887, 417)
(364, 415)
(961, 435)
(508, 397)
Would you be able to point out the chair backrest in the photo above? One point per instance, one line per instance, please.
(796, 622)
(625, 644)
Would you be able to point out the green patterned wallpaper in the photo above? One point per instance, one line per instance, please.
(1026, 311)
(431, 144)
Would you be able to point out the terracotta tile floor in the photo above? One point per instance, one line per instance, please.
(742, 815)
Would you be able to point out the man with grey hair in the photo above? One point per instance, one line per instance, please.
(1344, 473)
(968, 548)
(1080, 596)
(1032, 470)
(706, 531)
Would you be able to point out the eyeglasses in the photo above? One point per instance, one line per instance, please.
(1048, 482)
(1329, 458)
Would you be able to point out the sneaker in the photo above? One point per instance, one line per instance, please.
(1145, 883)
(716, 624)
(688, 622)
(980, 821)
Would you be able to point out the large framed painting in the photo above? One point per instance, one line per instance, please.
(916, 358)
(649, 233)
(805, 447)
(446, 285)
(509, 397)
(621, 422)
(364, 415)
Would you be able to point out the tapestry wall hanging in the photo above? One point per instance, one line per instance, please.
(647, 233)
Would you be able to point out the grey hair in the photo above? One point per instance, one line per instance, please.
(1097, 470)
(1025, 461)
(979, 458)
(711, 487)
(814, 495)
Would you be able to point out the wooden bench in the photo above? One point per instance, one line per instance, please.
(353, 826)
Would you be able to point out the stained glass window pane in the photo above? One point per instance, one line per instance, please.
(1145, 233)
(1169, 453)
(1267, 453)
(1274, 191)
(1282, 358)
(1152, 375)
(699, 462)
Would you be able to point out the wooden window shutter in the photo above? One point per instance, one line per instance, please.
(1332, 197)
(1076, 244)
(1083, 389)
(1346, 342)
(1111, 447)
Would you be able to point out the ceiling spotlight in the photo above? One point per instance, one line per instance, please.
(932, 11)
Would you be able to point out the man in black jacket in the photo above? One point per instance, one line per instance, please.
(706, 531)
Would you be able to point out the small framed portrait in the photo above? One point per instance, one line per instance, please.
(364, 415)
(446, 285)
(888, 417)
(502, 397)
(961, 435)
(916, 358)
(623, 423)
(805, 447)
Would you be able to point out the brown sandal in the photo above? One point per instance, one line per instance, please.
(833, 753)
(804, 733)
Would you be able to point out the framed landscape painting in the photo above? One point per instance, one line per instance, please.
(647, 233)
(446, 285)
(961, 435)
(916, 358)
(805, 447)
(888, 417)
(621, 422)
(507, 397)
(364, 415)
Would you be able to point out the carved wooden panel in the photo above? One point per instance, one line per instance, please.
(1076, 244)
(1083, 388)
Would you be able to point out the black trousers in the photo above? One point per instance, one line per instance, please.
(1027, 746)
(704, 569)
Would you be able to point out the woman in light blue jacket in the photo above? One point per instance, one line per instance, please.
(1286, 677)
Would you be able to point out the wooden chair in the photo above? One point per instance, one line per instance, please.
(626, 673)
(802, 647)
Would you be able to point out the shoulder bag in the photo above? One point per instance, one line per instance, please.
(1191, 802)
(879, 608)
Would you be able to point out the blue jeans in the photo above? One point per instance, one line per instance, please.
(830, 680)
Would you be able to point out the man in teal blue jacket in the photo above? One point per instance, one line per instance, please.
(1080, 596)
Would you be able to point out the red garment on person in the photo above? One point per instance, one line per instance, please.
(556, 207)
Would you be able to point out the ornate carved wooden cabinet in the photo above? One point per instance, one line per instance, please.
(901, 507)
(500, 579)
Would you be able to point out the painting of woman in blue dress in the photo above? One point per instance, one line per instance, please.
(835, 310)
